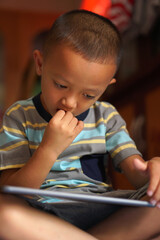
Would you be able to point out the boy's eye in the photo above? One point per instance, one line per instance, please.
(60, 85)
(89, 96)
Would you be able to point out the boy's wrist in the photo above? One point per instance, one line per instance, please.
(47, 152)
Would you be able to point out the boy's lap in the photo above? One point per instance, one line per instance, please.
(8, 200)
(82, 215)
(86, 215)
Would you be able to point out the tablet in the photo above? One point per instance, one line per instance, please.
(83, 197)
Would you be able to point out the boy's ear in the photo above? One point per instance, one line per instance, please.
(112, 81)
(38, 59)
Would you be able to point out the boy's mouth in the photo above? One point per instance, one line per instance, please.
(58, 109)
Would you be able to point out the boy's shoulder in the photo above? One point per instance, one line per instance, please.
(104, 106)
(102, 110)
(21, 111)
(21, 105)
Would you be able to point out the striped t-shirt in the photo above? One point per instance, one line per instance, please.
(81, 166)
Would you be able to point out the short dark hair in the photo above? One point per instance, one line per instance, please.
(94, 37)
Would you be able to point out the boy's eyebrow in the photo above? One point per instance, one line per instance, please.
(60, 77)
(95, 91)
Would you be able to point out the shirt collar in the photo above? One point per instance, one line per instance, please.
(46, 116)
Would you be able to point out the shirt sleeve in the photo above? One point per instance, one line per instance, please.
(118, 141)
(14, 146)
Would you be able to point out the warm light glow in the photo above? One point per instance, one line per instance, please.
(98, 6)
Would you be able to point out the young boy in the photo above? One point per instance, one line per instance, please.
(59, 139)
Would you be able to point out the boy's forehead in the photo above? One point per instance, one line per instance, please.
(64, 61)
(58, 48)
(61, 53)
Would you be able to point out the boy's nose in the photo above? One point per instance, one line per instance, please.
(69, 103)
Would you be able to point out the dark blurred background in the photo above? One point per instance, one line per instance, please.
(136, 94)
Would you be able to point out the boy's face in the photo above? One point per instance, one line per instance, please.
(70, 82)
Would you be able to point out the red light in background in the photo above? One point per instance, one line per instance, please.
(98, 6)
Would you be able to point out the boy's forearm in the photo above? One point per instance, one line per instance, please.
(33, 173)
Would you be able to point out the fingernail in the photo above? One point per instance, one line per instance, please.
(153, 202)
(150, 193)
(158, 205)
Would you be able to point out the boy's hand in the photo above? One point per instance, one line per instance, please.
(152, 169)
(60, 132)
